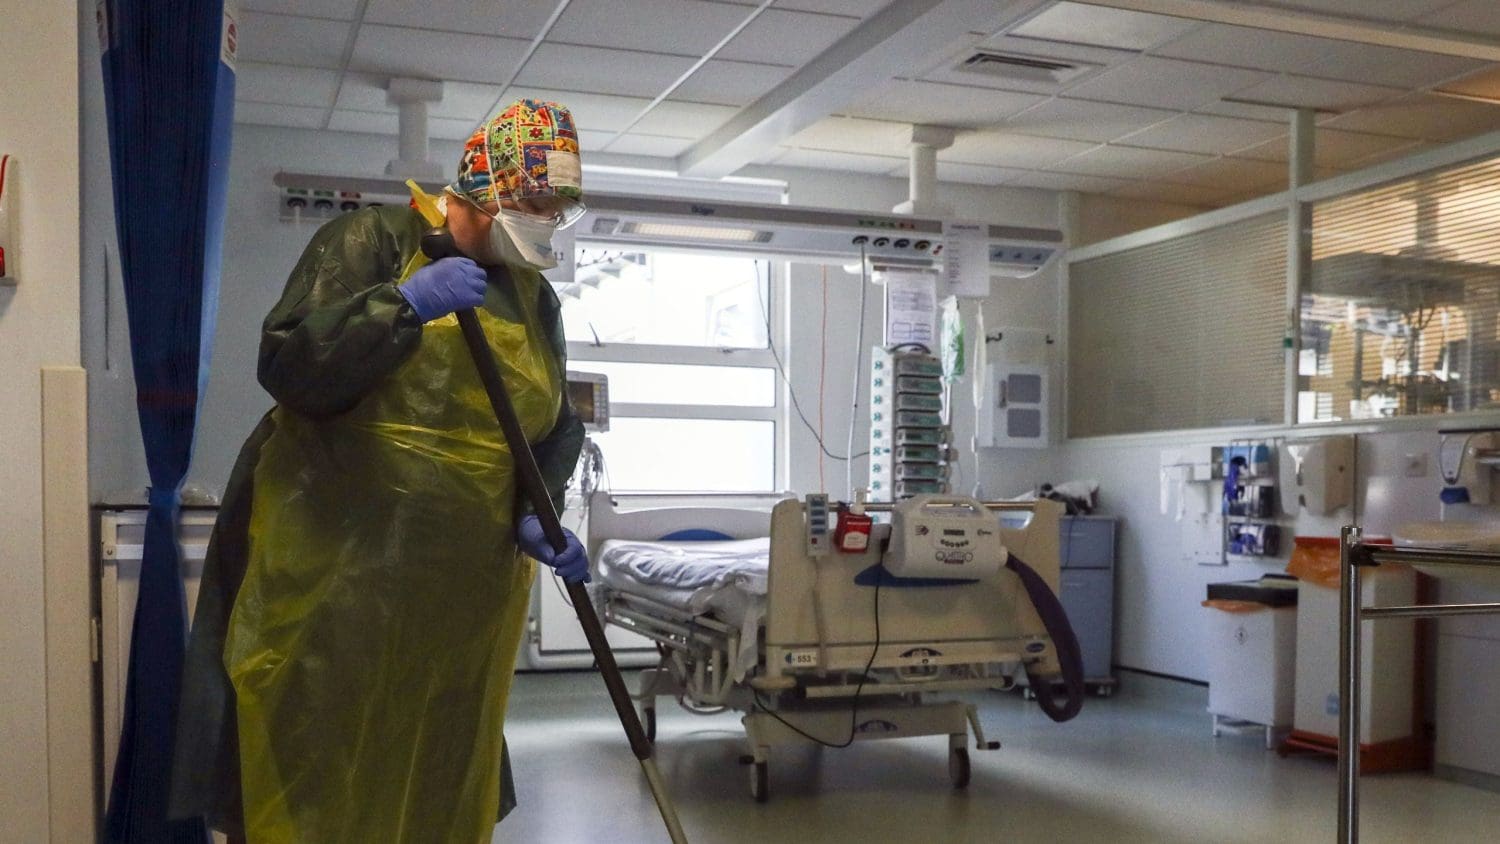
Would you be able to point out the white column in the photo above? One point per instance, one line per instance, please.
(411, 96)
(922, 180)
(1299, 246)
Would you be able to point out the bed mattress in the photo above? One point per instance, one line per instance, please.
(724, 579)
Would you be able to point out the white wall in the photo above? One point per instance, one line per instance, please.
(1159, 622)
(38, 327)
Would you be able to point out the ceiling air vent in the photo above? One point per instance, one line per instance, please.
(1024, 68)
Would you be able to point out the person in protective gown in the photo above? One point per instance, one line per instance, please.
(366, 587)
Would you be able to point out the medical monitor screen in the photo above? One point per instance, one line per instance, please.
(590, 400)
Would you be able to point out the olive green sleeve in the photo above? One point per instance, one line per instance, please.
(557, 454)
(341, 325)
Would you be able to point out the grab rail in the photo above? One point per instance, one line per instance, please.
(1354, 555)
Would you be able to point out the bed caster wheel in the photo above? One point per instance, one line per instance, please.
(1105, 691)
(648, 722)
(1027, 693)
(760, 782)
(958, 767)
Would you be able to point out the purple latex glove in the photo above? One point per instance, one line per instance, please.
(445, 286)
(572, 564)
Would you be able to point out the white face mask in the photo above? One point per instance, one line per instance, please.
(520, 239)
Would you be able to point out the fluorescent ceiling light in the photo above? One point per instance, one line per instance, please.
(678, 231)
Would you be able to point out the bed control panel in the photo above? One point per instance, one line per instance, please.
(819, 534)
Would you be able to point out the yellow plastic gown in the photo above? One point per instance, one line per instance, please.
(381, 600)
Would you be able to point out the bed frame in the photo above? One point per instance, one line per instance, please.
(819, 675)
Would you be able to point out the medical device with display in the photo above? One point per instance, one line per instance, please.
(936, 536)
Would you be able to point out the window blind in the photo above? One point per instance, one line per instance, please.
(1186, 333)
(1400, 313)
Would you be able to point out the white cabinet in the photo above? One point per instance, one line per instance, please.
(1387, 649)
(1468, 688)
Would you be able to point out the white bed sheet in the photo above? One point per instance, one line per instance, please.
(724, 579)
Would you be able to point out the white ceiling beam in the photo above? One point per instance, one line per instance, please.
(1275, 18)
(904, 36)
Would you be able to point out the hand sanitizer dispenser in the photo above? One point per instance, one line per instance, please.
(1317, 475)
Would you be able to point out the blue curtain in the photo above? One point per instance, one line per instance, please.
(169, 93)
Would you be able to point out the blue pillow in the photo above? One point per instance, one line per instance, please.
(696, 535)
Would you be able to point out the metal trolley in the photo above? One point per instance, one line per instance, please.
(1354, 555)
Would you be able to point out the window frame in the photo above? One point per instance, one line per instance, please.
(582, 353)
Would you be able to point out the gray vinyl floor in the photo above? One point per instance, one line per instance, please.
(1139, 766)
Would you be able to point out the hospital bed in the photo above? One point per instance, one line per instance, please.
(816, 646)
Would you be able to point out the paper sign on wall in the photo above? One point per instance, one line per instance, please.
(910, 307)
(966, 259)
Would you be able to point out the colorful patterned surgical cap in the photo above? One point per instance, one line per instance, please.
(538, 136)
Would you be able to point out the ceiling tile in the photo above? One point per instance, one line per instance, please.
(1484, 85)
(787, 38)
(852, 134)
(1205, 133)
(1471, 16)
(1130, 162)
(673, 27)
(683, 120)
(364, 122)
(1084, 120)
(1390, 10)
(343, 10)
(945, 105)
(1307, 92)
(1246, 47)
(466, 100)
(1166, 83)
(730, 83)
(590, 140)
(601, 71)
(287, 39)
(1068, 181)
(633, 144)
(1249, 111)
(428, 54)
(1101, 26)
(1331, 147)
(285, 85)
(824, 160)
(1392, 154)
(1168, 192)
(1007, 149)
(970, 174)
(1423, 116)
(1231, 174)
(853, 8)
(266, 114)
(1390, 66)
(477, 17)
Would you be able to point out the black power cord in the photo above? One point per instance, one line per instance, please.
(858, 690)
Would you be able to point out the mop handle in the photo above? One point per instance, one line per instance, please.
(529, 478)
